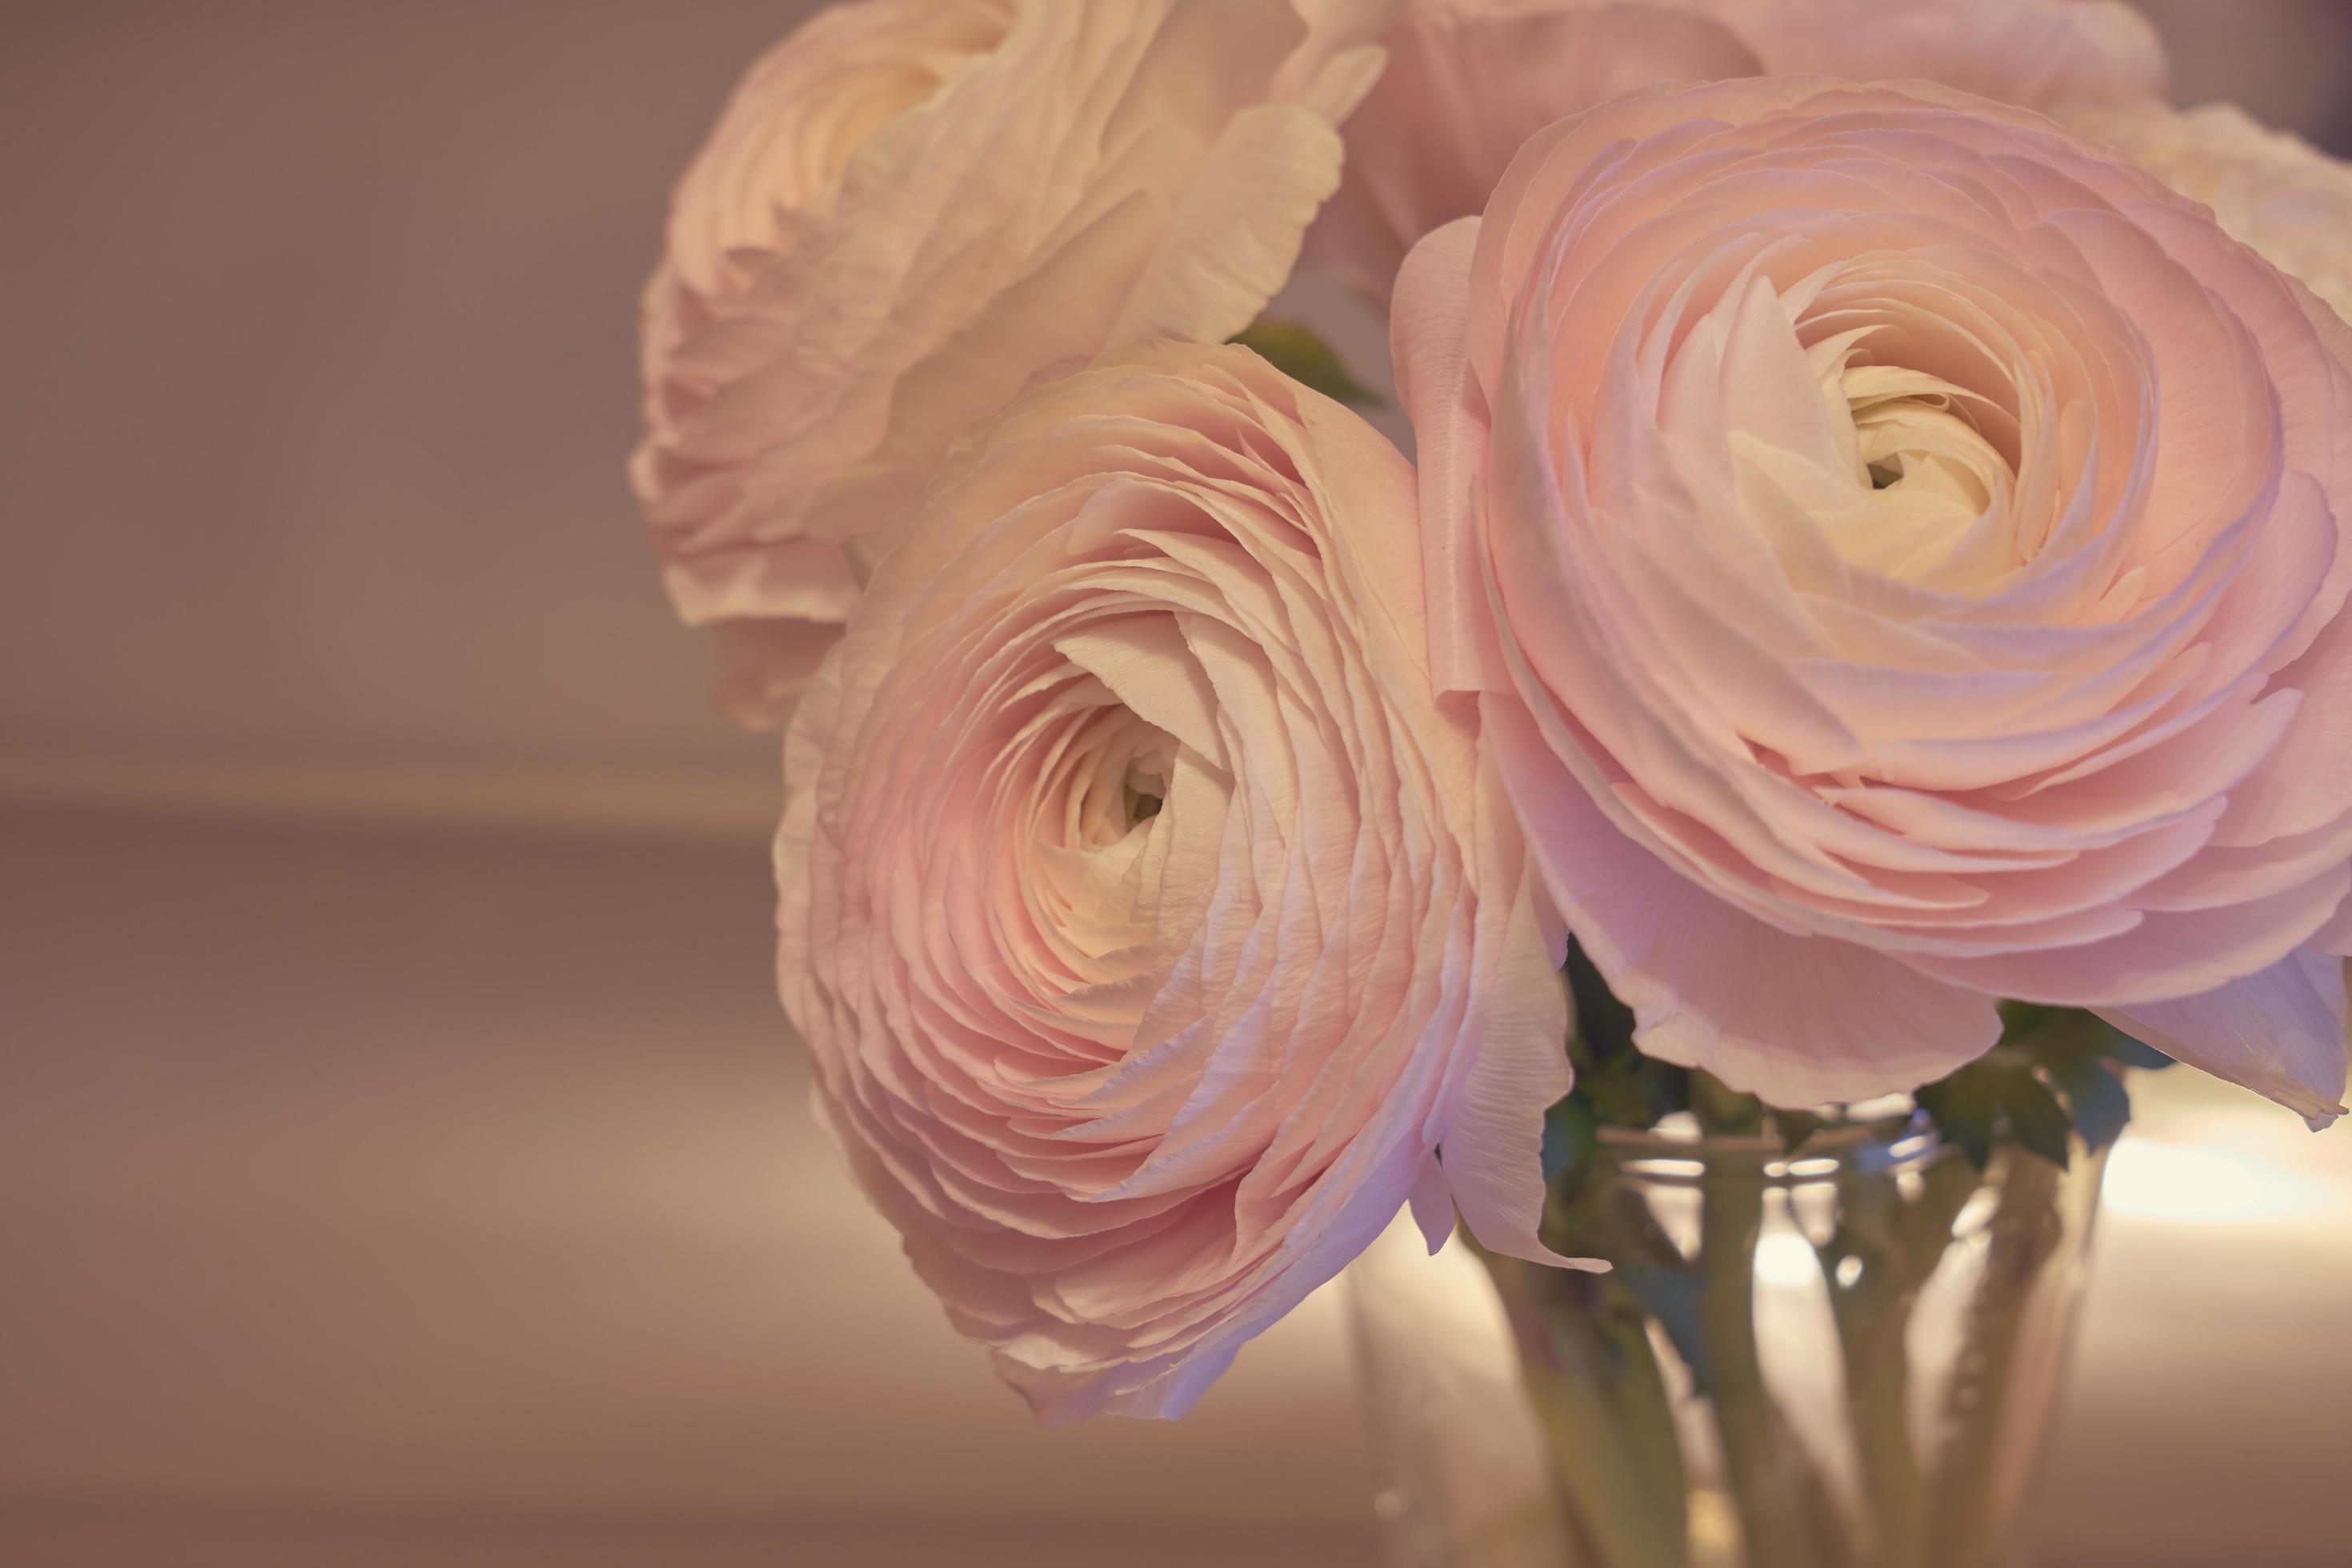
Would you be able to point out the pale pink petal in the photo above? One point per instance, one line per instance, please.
(1494, 1141)
(1233, 241)
(1432, 1206)
(913, 210)
(1132, 1084)
(2044, 54)
(1469, 81)
(1429, 324)
(1796, 1021)
(1913, 546)
(2279, 1033)
(2271, 189)
(1466, 84)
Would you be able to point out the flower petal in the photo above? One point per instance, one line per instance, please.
(2279, 1033)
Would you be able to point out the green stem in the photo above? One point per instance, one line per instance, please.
(1873, 1320)
(1784, 1510)
(2026, 1231)
(1898, 1247)
(1597, 1389)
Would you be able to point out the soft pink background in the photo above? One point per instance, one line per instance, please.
(401, 1159)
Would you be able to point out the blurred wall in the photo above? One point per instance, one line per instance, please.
(2289, 62)
(320, 367)
(322, 377)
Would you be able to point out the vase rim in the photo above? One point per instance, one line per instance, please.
(1905, 1140)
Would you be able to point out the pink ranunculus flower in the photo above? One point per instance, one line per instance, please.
(1152, 924)
(913, 208)
(1469, 80)
(1900, 549)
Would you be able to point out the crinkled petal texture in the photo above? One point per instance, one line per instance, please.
(2276, 192)
(1150, 922)
(1469, 80)
(909, 211)
(1901, 549)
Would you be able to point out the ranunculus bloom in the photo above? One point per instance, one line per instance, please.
(1901, 550)
(1469, 80)
(913, 208)
(1151, 924)
(2276, 192)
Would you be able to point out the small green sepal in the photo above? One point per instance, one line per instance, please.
(1303, 356)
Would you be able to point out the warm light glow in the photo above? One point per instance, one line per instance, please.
(2173, 1181)
(1787, 1258)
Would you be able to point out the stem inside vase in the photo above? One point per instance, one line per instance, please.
(1841, 1358)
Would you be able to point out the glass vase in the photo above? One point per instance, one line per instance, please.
(1846, 1357)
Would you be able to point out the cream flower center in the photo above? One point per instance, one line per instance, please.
(1099, 843)
(1904, 459)
(1924, 473)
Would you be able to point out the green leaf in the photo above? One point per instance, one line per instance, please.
(1604, 1024)
(1307, 359)
(1794, 1127)
(2133, 1054)
(2101, 1103)
(1724, 1111)
(1632, 1090)
(2038, 1122)
(2019, 1019)
(2053, 1034)
(1965, 1108)
(2051, 1078)
(1569, 1140)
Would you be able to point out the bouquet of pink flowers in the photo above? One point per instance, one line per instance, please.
(1872, 583)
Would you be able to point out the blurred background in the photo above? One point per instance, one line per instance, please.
(401, 1158)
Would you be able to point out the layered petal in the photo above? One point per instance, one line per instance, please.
(2270, 189)
(1712, 988)
(1901, 550)
(2280, 1032)
(1157, 931)
(1470, 80)
(911, 210)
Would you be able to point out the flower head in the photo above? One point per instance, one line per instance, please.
(1901, 550)
(912, 209)
(1151, 922)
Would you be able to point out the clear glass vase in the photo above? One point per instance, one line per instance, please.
(1846, 1358)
